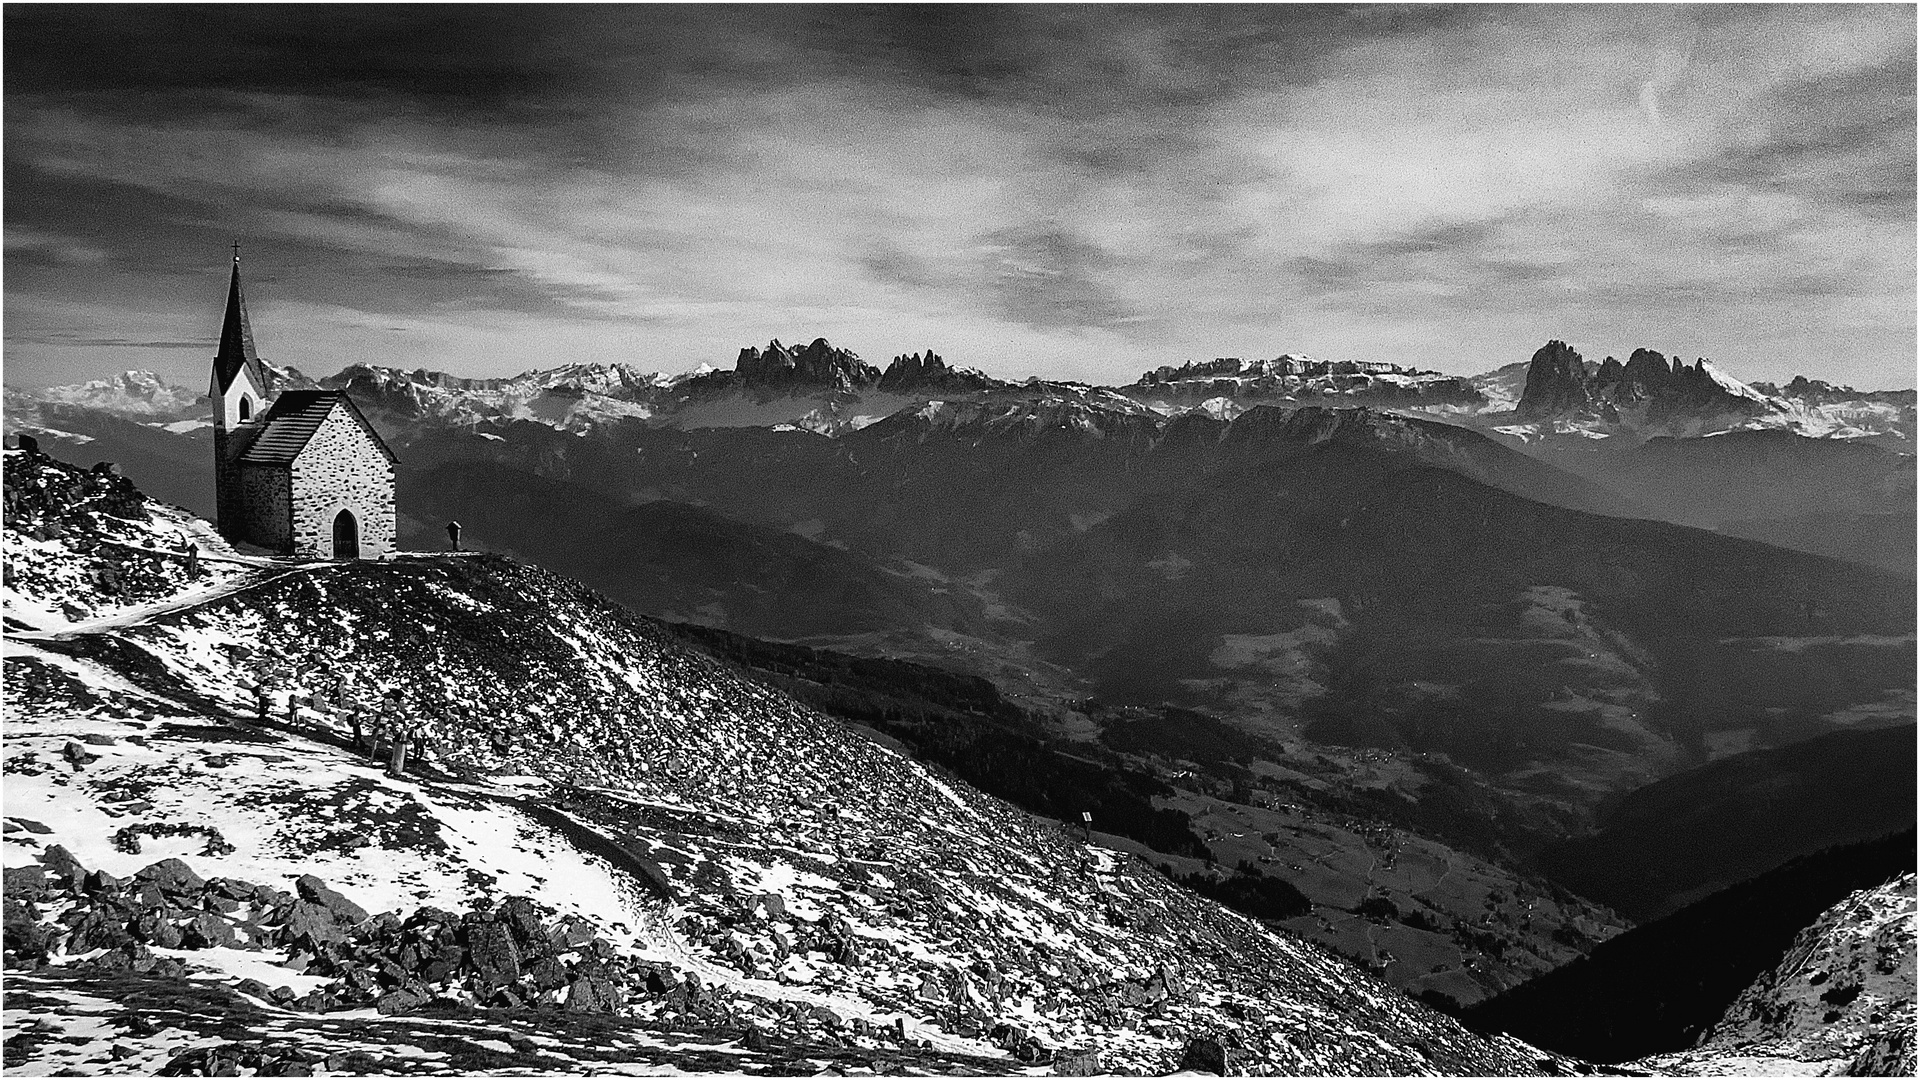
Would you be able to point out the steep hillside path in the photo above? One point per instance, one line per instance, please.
(179, 602)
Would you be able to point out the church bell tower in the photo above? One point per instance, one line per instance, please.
(239, 393)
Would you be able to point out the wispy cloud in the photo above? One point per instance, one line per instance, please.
(1071, 191)
(31, 245)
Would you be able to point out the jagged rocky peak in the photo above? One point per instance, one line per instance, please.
(1560, 384)
(816, 365)
(930, 372)
(1556, 382)
(1649, 369)
(914, 370)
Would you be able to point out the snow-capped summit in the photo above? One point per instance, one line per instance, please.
(1730, 384)
(141, 394)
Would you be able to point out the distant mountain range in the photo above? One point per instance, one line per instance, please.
(1212, 536)
(1562, 394)
(1361, 651)
(830, 390)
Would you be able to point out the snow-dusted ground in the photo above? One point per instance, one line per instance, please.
(801, 863)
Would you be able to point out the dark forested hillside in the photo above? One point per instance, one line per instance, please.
(1675, 840)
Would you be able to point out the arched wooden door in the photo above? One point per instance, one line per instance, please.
(346, 536)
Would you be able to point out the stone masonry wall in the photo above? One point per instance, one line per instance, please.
(342, 468)
(266, 507)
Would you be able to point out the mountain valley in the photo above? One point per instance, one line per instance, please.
(1391, 663)
(720, 877)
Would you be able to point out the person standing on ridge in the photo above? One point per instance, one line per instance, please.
(402, 734)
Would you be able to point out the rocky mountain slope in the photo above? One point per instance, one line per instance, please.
(934, 536)
(1663, 986)
(1302, 576)
(1467, 677)
(1305, 841)
(700, 874)
(1839, 1003)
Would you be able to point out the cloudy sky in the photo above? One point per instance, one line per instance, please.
(1068, 191)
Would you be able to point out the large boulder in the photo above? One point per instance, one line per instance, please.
(492, 951)
(592, 994)
(208, 931)
(230, 889)
(98, 929)
(315, 891)
(168, 936)
(1205, 1055)
(61, 864)
(1077, 1063)
(523, 919)
(310, 923)
(548, 973)
(444, 963)
(172, 876)
(100, 882)
(403, 1000)
(25, 882)
(26, 938)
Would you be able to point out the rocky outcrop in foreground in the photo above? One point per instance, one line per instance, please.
(1840, 1002)
(515, 955)
(1845, 989)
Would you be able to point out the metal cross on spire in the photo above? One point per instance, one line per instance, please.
(236, 251)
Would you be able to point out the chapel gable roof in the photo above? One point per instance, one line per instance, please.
(292, 421)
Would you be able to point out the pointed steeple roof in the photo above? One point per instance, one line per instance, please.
(236, 338)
